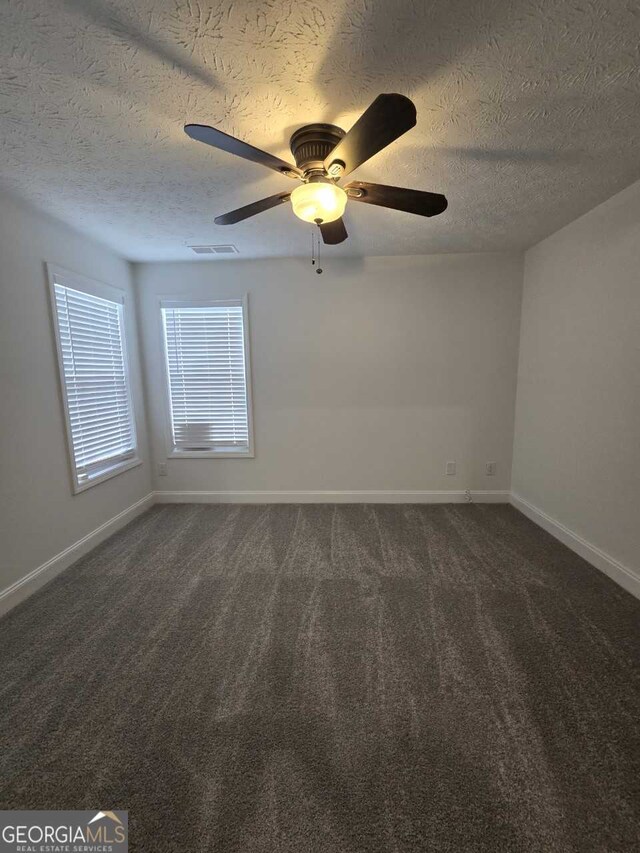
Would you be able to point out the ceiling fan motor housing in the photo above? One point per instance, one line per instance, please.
(312, 144)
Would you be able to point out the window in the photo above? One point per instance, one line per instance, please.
(90, 337)
(207, 355)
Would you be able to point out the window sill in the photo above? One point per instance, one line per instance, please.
(211, 454)
(120, 468)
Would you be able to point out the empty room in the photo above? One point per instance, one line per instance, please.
(320, 426)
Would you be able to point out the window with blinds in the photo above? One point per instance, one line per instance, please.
(206, 346)
(89, 325)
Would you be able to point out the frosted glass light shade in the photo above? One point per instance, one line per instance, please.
(324, 201)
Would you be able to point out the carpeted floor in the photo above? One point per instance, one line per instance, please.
(330, 679)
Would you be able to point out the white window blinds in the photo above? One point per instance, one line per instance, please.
(207, 359)
(99, 413)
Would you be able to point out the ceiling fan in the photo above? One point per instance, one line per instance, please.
(325, 154)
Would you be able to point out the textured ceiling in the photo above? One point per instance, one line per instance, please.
(528, 114)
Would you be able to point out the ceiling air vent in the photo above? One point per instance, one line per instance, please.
(226, 249)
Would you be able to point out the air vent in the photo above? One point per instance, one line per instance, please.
(227, 249)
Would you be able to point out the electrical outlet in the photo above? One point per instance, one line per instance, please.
(162, 469)
(450, 469)
(490, 469)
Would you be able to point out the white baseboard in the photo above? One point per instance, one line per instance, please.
(343, 497)
(28, 584)
(622, 575)
(25, 586)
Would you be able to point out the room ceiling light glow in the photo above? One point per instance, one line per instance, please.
(318, 201)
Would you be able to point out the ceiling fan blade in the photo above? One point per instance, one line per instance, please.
(397, 198)
(218, 139)
(387, 118)
(251, 209)
(333, 232)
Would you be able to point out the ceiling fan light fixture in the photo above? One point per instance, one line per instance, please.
(323, 152)
(318, 200)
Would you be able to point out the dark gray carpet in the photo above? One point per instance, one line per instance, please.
(330, 679)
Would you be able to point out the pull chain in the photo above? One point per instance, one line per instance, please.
(318, 234)
(313, 250)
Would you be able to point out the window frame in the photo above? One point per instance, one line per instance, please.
(221, 453)
(92, 287)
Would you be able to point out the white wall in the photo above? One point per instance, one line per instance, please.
(39, 515)
(577, 441)
(369, 377)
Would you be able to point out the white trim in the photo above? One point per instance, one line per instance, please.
(171, 451)
(25, 586)
(233, 302)
(28, 584)
(107, 474)
(221, 453)
(621, 574)
(84, 284)
(343, 497)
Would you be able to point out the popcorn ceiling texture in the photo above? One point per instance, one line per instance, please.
(527, 114)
